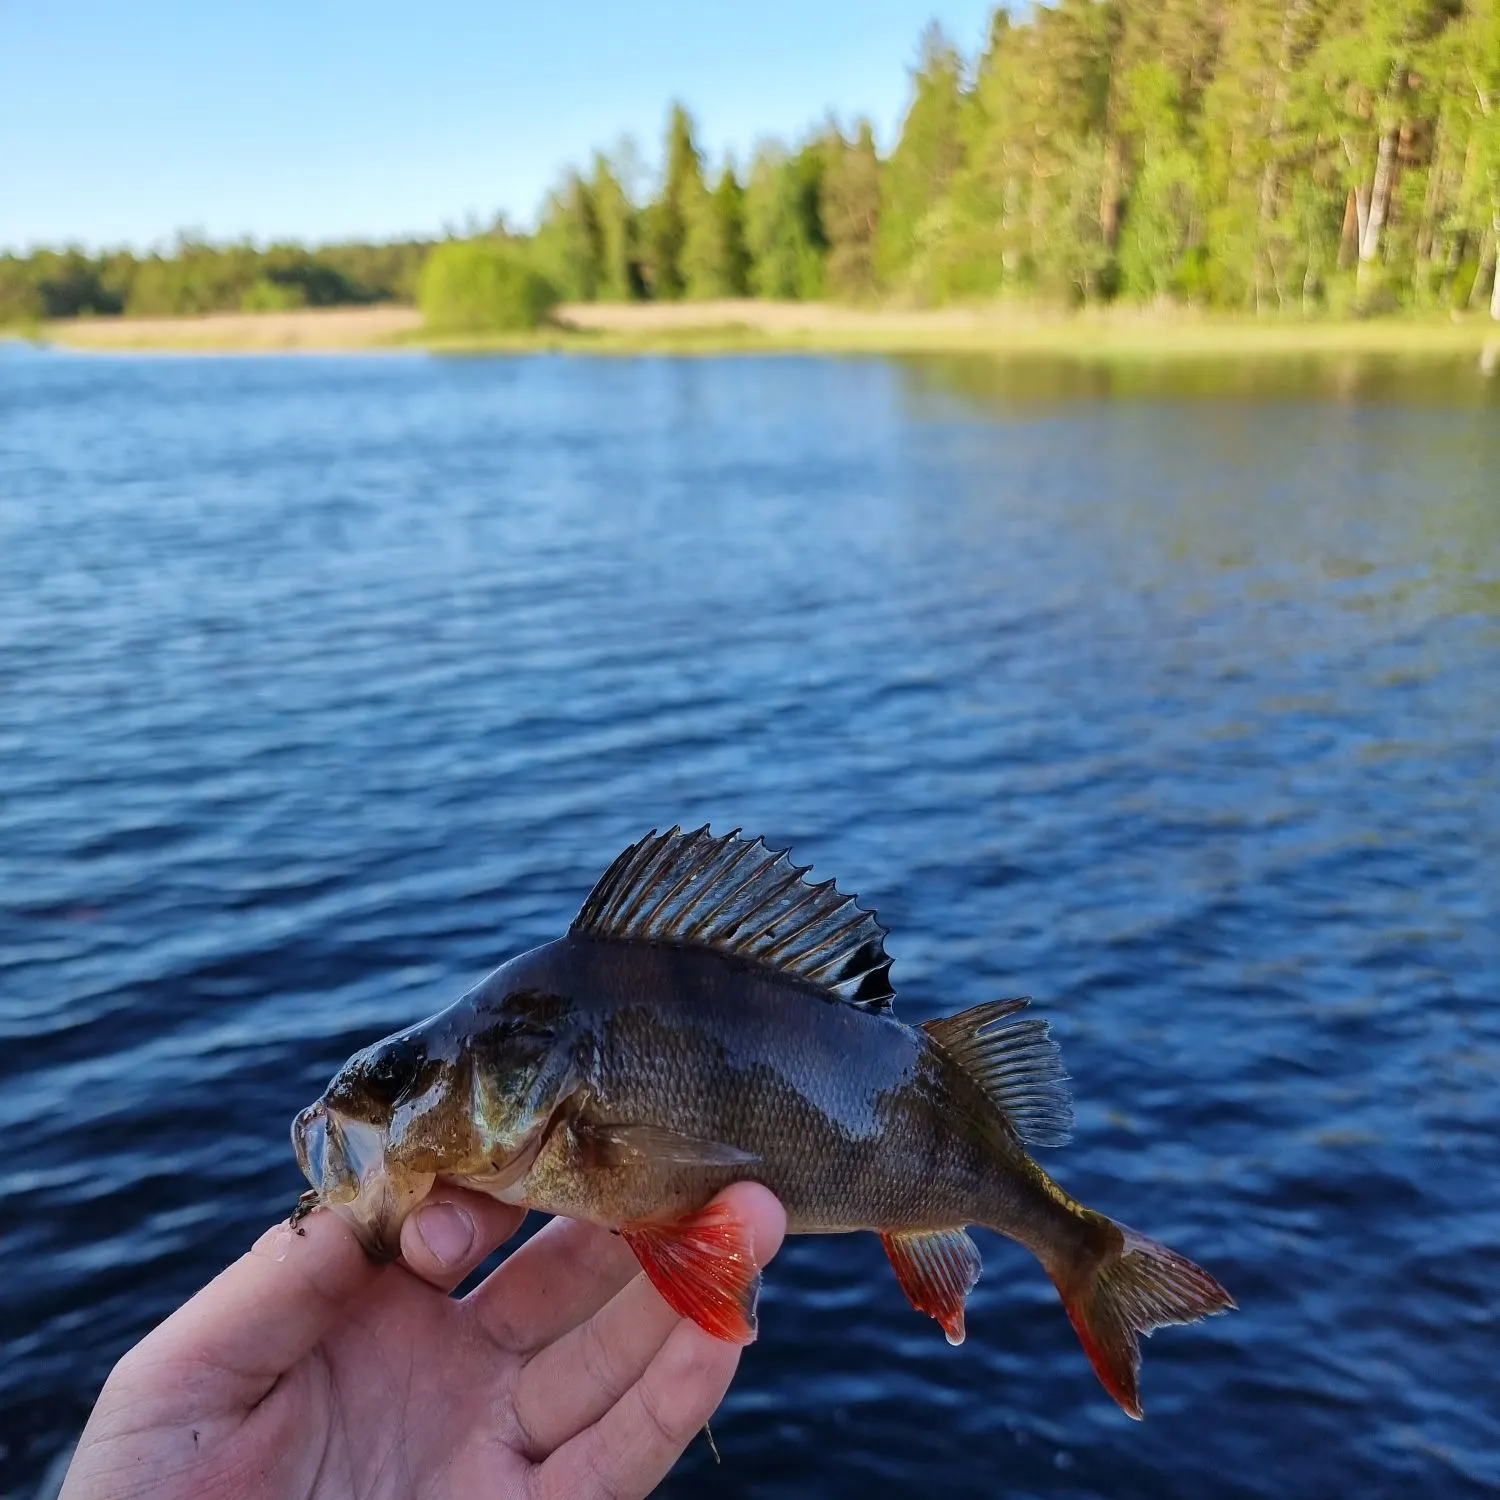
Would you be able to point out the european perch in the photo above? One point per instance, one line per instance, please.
(712, 1016)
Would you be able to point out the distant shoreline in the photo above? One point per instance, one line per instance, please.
(770, 327)
(310, 330)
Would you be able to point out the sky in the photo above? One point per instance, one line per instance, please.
(331, 119)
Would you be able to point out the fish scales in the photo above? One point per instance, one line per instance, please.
(844, 1112)
(712, 1017)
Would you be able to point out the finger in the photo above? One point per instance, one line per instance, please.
(574, 1381)
(628, 1452)
(452, 1232)
(563, 1274)
(229, 1344)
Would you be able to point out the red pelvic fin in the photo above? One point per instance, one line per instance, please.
(704, 1267)
(937, 1269)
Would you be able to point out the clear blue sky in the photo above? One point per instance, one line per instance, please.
(123, 123)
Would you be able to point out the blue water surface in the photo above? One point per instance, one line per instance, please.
(1168, 695)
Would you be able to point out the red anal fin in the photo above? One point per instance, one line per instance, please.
(704, 1267)
(937, 1269)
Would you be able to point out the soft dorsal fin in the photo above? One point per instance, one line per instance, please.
(1016, 1062)
(739, 897)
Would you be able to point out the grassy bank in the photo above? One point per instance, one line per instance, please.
(750, 326)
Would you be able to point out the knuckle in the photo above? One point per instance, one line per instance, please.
(599, 1363)
(603, 1482)
(534, 1484)
(666, 1430)
(521, 1421)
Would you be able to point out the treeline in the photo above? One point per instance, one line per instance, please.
(1298, 155)
(801, 225)
(200, 278)
(1268, 154)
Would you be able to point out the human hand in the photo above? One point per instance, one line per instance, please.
(305, 1371)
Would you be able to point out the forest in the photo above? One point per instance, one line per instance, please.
(196, 277)
(1310, 157)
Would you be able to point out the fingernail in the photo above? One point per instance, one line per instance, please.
(447, 1231)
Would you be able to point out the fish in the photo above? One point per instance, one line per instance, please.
(712, 1016)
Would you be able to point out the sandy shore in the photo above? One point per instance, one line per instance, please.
(311, 329)
(706, 327)
(791, 317)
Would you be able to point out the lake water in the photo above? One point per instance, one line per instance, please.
(1167, 695)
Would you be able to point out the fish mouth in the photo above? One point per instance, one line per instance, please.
(348, 1165)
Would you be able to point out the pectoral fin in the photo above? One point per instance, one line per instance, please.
(610, 1145)
(704, 1267)
(937, 1269)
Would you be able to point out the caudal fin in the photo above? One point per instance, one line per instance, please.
(1135, 1285)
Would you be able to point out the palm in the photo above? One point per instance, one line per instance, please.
(409, 1388)
(306, 1372)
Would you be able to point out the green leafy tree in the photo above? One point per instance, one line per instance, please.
(1363, 94)
(20, 297)
(849, 207)
(1034, 149)
(484, 285)
(196, 277)
(379, 272)
(1160, 58)
(1290, 156)
(1163, 223)
(1477, 185)
(1261, 204)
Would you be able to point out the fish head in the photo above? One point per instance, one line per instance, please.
(466, 1095)
(374, 1142)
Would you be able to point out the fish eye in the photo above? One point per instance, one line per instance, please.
(390, 1072)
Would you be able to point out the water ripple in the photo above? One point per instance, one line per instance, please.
(328, 684)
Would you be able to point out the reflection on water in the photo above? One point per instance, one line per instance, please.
(1368, 490)
(1163, 693)
(1368, 379)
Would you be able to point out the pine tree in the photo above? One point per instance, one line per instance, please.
(928, 154)
(619, 273)
(568, 248)
(667, 218)
(1277, 155)
(783, 227)
(1043, 95)
(729, 203)
(713, 254)
(714, 259)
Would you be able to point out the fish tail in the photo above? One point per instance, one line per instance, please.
(1124, 1286)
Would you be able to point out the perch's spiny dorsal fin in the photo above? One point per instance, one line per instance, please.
(737, 896)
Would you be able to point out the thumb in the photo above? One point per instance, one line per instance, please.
(259, 1317)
